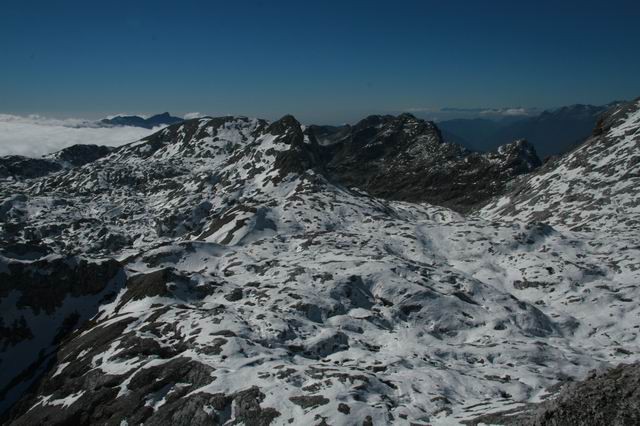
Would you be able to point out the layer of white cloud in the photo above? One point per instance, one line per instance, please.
(508, 111)
(34, 135)
(190, 115)
(46, 121)
(440, 114)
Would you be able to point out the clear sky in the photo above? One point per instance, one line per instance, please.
(323, 61)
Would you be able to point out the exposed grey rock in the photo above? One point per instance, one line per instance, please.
(606, 398)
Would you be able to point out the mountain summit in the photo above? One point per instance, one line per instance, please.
(163, 119)
(405, 158)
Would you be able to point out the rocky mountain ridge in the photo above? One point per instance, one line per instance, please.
(405, 158)
(397, 158)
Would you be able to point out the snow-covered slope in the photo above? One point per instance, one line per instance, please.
(232, 282)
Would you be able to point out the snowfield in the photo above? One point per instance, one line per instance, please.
(229, 281)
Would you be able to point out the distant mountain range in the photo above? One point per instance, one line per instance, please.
(163, 119)
(552, 132)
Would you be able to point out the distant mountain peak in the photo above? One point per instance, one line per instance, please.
(552, 132)
(163, 119)
(521, 155)
(407, 116)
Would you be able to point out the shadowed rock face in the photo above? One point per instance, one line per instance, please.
(45, 300)
(24, 167)
(79, 155)
(19, 167)
(404, 158)
(45, 283)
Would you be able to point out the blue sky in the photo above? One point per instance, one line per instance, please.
(324, 61)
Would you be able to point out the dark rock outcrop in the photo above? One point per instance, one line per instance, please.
(79, 155)
(606, 398)
(19, 167)
(405, 158)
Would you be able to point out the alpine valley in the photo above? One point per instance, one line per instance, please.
(237, 271)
